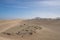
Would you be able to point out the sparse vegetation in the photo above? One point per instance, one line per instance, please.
(6, 33)
(30, 33)
(24, 24)
(33, 30)
(23, 31)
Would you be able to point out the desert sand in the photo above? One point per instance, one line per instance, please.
(30, 30)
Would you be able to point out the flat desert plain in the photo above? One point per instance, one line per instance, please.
(30, 29)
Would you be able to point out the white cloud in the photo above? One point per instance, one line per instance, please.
(55, 3)
(49, 3)
(44, 3)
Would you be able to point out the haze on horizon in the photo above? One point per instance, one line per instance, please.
(12, 9)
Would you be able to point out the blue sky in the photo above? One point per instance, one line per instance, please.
(12, 9)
